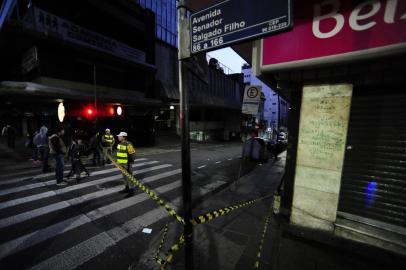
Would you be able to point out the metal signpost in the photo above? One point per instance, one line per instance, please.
(221, 25)
(252, 99)
(183, 54)
(234, 21)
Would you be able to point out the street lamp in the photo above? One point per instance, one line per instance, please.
(119, 110)
(61, 112)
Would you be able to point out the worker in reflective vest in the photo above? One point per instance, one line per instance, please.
(107, 143)
(125, 157)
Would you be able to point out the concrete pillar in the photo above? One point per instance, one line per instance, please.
(323, 127)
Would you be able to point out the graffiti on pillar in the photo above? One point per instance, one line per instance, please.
(323, 126)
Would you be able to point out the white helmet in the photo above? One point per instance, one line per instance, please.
(122, 134)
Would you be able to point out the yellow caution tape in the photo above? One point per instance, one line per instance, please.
(224, 211)
(195, 221)
(170, 253)
(268, 218)
(161, 244)
(149, 192)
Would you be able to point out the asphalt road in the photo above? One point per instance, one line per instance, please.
(90, 225)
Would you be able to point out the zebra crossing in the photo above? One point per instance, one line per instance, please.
(43, 226)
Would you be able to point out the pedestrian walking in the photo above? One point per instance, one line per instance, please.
(9, 132)
(94, 144)
(58, 151)
(29, 143)
(4, 134)
(42, 145)
(125, 157)
(77, 150)
(107, 144)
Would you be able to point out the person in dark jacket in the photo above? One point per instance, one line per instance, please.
(10, 133)
(29, 143)
(58, 151)
(95, 149)
(76, 151)
(41, 142)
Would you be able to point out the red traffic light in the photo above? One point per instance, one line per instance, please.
(89, 112)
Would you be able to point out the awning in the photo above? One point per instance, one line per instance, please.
(29, 89)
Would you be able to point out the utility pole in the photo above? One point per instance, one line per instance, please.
(279, 116)
(95, 97)
(183, 55)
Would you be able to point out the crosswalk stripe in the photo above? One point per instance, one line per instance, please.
(41, 175)
(47, 194)
(54, 207)
(12, 220)
(164, 174)
(96, 245)
(52, 182)
(31, 239)
(16, 176)
(13, 181)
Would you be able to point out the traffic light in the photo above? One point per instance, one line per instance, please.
(90, 112)
(113, 110)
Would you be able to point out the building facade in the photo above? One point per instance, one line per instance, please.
(345, 171)
(68, 52)
(215, 96)
(275, 109)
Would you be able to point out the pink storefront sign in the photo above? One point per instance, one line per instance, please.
(332, 31)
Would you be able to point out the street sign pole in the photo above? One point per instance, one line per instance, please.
(183, 45)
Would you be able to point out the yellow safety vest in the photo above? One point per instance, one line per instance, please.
(108, 138)
(123, 150)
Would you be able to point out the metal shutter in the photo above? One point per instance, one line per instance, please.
(373, 188)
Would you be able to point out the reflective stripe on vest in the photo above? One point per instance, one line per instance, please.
(108, 138)
(122, 155)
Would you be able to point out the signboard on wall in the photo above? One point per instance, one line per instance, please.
(337, 30)
(30, 60)
(48, 23)
(234, 21)
(252, 98)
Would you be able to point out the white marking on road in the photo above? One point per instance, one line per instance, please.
(31, 239)
(39, 176)
(47, 194)
(230, 159)
(35, 170)
(161, 175)
(52, 182)
(90, 248)
(218, 162)
(200, 167)
(55, 207)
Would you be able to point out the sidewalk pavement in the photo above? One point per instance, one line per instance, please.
(232, 241)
